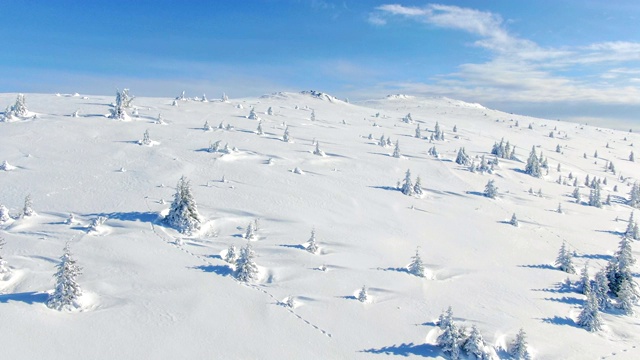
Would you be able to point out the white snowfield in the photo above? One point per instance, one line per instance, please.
(151, 292)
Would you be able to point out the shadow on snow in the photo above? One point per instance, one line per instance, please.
(425, 350)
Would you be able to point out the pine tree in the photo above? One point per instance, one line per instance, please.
(20, 107)
(396, 150)
(619, 267)
(259, 130)
(462, 158)
(286, 137)
(122, 101)
(519, 348)
(451, 338)
(146, 139)
(183, 214)
(418, 132)
(632, 157)
(5, 271)
(559, 210)
(407, 187)
(317, 151)
(27, 209)
(363, 296)
(576, 194)
(313, 115)
(232, 254)
(594, 196)
(67, 290)
(589, 317)
(312, 244)
(627, 297)
(585, 282)
(634, 200)
(533, 164)
(382, 142)
(252, 114)
(250, 233)
(601, 290)
(630, 232)
(514, 220)
(490, 190)
(270, 111)
(416, 267)
(564, 261)
(246, 268)
(417, 188)
(475, 345)
(4, 214)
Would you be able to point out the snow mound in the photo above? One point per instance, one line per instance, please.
(320, 95)
(399, 97)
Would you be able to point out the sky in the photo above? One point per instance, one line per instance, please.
(567, 60)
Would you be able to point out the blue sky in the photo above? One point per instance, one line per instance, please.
(575, 60)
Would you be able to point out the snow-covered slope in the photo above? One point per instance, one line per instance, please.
(151, 292)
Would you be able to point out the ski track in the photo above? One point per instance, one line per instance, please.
(173, 243)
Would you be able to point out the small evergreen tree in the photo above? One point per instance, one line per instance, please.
(317, 151)
(634, 200)
(250, 233)
(533, 164)
(475, 345)
(246, 268)
(252, 114)
(589, 317)
(627, 297)
(416, 267)
(259, 130)
(619, 267)
(451, 339)
(490, 190)
(564, 261)
(146, 139)
(286, 137)
(270, 111)
(407, 187)
(632, 157)
(514, 220)
(312, 244)
(363, 296)
(601, 290)
(418, 132)
(27, 209)
(183, 214)
(462, 158)
(232, 254)
(4, 214)
(594, 196)
(20, 107)
(396, 150)
(519, 348)
(5, 271)
(585, 282)
(313, 115)
(576, 194)
(67, 290)
(417, 188)
(122, 101)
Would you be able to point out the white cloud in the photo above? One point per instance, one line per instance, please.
(520, 69)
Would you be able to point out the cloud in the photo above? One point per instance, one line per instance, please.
(519, 69)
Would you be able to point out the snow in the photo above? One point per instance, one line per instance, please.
(151, 292)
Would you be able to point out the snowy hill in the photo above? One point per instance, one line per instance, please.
(153, 292)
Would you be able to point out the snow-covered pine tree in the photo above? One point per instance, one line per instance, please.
(232, 254)
(417, 188)
(576, 194)
(490, 190)
(408, 119)
(313, 115)
(533, 164)
(407, 187)
(396, 150)
(250, 234)
(462, 158)
(270, 111)
(4, 214)
(455, 128)
(5, 271)
(246, 268)
(514, 220)
(317, 151)
(558, 148)
(559, 209)
(589, 317)
(475, 345)
(634, 200)
(564, 261)
(225, 98)
(312, 244)
(418, 132)
(118, 112)
(206, 126)
(252, 114)
(259, 129)
(183, 214)
(594, 196)
(627, 297)
(585, 282)
(632, 157)
(382, 142)
(438, 134)
(601, 290)
(416, 266)
(20, 107)
(286, 137)
(363, 296)
(146, 139)
(27, 209)
(450, 340)
(619, 267)
(631, 223)
(519, 348)
(67, 290)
